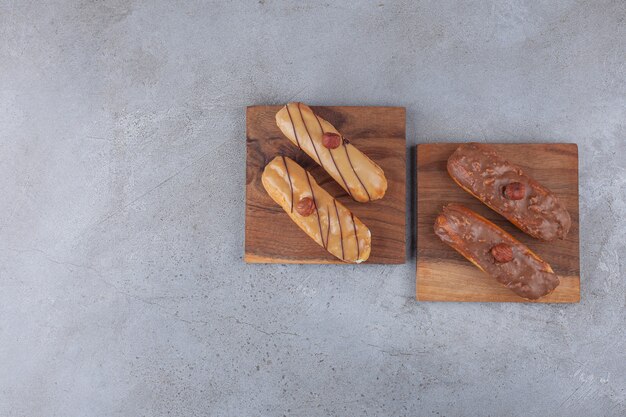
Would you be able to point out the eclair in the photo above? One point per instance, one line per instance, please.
(317, 213)
(361, 177)
(506, 189)
(495, 252)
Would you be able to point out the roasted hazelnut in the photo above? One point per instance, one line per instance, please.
(514, 191)
(331, 140)
(305, 207)
(502, 253)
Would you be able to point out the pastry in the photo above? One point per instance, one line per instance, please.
(317, 213)
(495, 252)
(504, 187)
(361, 177)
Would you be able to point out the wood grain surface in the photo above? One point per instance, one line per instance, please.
(271, 236)
(445, 275)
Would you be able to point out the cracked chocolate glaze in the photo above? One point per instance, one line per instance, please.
(482, 172)
(473, 236)
(332, 225)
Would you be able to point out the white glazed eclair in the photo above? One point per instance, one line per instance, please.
(361, 177)
(317, 213)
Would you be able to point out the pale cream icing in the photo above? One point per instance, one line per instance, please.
(361, 177)
(331, 225)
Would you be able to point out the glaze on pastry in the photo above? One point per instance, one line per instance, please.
(361, 177)
(317, 213)
(504, 187)
(495, 252)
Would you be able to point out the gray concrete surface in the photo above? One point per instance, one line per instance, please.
(122, 286)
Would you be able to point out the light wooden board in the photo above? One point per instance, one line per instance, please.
(445, 275)
(271, 236)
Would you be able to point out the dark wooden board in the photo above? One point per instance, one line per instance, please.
(445, 275)
(272, 237)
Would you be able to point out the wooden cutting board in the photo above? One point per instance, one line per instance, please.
(445, 275)
(272, 237)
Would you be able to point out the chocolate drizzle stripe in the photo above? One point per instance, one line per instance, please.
(333, 158)
(317, 212)
(290, 184)
(340, 231)
(328, 225)
(369, 198)
(293, 126)
(355, 237)
(310, 138)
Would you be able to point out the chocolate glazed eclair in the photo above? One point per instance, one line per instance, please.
(317, 213)
(506, 189)
(361, 177)
(495, 252)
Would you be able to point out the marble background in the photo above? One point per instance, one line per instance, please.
(122, 286)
